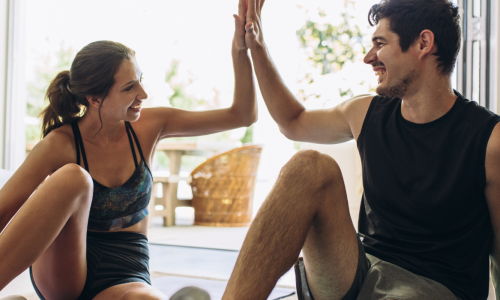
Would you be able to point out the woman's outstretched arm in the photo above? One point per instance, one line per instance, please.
(243, 111)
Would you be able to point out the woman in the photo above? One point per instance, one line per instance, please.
(83, 230)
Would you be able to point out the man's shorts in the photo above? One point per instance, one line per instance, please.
(377, 279)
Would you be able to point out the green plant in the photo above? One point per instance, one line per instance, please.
(47, 67)
(330, 46)
(327, 48)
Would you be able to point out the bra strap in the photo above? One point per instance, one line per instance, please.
(137, 143)
(127, 124)
(79, 144)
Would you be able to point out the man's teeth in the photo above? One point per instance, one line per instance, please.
(380, 72)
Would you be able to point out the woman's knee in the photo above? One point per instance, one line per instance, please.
(75, 175)
(73, 181)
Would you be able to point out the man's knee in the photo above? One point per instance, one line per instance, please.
(312, 166)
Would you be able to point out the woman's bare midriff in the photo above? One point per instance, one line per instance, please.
(141, 227)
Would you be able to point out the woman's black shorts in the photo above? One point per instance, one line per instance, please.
(112, 258)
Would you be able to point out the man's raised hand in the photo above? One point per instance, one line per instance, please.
(253, 26)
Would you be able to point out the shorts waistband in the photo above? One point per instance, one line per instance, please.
(120, 235)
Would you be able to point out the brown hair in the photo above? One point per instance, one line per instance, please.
(92, 74)
(408, 18)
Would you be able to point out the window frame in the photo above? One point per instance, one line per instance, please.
(14, 137)
(483, 29)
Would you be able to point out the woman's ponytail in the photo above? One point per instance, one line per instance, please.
(63, 106)
(92, 74)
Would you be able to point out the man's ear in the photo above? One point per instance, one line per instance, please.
(94, 101)
(426, 43)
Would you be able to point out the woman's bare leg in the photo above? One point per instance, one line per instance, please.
(131, 291)
(306, 209)
(49, 232)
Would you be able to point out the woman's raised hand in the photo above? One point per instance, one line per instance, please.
(239, 22)
(253, 26)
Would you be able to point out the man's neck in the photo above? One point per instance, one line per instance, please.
(428, 100)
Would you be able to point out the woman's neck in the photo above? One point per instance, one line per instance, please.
(106, 134)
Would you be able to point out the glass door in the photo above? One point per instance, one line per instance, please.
(474, 69)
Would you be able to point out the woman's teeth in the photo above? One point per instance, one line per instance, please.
(137, 106)
(380, 72)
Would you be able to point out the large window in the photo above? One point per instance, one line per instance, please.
(183, 48)
(476, 71)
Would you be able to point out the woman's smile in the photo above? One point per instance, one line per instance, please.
(136, 108)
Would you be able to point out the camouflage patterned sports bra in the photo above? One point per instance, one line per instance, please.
(121, 207)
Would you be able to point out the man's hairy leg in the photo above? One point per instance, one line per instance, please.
(306, 209)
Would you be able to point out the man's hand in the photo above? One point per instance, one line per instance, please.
(253, 27)
(239, 30)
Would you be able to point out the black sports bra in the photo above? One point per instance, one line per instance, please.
(123, 206)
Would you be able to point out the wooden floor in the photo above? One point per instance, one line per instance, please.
(188, 255)
(223, 238)
(174, 267)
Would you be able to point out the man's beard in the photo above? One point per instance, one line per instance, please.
(399, 89)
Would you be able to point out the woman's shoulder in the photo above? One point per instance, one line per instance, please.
(152, 120)
(59, 145)
(61, 136)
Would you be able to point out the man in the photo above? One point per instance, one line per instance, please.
(430, 213)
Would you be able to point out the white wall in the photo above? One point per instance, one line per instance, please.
(280, 38)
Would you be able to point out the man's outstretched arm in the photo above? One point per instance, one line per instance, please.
(336, 125)
(492, 193)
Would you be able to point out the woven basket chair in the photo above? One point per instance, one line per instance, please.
(223, 188)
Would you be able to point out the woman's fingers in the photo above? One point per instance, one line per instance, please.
(239, 33)
(240, 29)
(242, 8)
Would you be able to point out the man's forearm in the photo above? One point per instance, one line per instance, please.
(280, 102)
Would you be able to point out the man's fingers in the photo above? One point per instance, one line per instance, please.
(261, 5)
(252, 9)
(249, 29)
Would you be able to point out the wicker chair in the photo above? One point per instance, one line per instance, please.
(223, 188)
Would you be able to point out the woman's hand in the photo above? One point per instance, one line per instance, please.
(253, 26)
(239, 23)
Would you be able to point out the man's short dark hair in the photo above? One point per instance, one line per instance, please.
(408, 18)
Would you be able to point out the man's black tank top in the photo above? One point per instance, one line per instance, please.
(423, 206)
